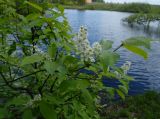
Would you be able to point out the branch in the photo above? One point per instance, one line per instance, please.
(16, 88)
(10, 72)
(41, 87)
(118, 47)
(26, 75)
(73, 97)
(9, 63)
(51, 89)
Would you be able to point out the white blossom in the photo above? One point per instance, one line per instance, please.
(97, 48)
(85, 51)
(36, 98)
(118, 75)
(126, 66)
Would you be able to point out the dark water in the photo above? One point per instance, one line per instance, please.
(108, 25)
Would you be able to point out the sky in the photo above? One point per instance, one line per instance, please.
(157, 2)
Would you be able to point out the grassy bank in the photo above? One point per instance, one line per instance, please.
(132, 7)
(146, 106)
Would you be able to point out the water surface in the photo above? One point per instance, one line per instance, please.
(108, 25)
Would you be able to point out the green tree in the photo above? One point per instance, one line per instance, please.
(81, 2)
(98, 1)
(41, 66)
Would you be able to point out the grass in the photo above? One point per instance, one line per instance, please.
(131, 7)
(146, 106)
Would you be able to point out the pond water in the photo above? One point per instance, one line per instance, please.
(108, 25)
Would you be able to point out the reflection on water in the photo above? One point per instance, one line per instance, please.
(109, 25)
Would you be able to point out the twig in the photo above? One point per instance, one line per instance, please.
(41, 87)
(16, 88)
(51, 89)
(26, 75)
(118, 47)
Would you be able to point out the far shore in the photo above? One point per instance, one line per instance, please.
(127, 7)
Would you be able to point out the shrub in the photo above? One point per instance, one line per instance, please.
(43, 70)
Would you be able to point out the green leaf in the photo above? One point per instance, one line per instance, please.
(31, 59)
(47, 111)
(17, 101)
(27, 114)
(2, 113)
(120, 93)
(34, 5)
(61, 8)
(137, 50)
(123, 89)
(108, 58)
(50, 67)
(106, 44)
(87, 96)
(138, 41)
(68, 60)
(88, 100)
(110, 90)
(69, 85)
(52, 50)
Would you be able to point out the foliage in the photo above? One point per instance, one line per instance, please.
(144, 106)
(142, 19)
(43, 71)
(137, 7)
(98, 1)
(145, 16)
(127, 7)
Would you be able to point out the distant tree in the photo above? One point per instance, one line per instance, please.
(81, 2)
(98, 0)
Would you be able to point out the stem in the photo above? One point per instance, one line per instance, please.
(16, 88)
(73, 97)
(53, 84)
(9, 63)
(16, 73)
(118, 47)
(26, 76)
(41, 87)
(10, 73)
(56, 56)
(2, 39)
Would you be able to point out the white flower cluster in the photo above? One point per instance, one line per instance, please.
(125, 67)
(36, 98)
(97, 48)
(86, 52)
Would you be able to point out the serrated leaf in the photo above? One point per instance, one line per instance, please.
(18, 101)
(120, 93)
(47, 111)
(69, 85)
(137, 50)
(123, 89)
(52, 50)
(108, 58)
(2, 113)
(88, 100)
(50, 67)
(34, 5)
(61, 8)
(138, 41)
(70, 60)
(31, 59)
(110, 90)
(106, 44)
(27, 114)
